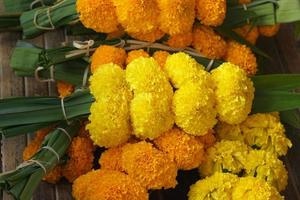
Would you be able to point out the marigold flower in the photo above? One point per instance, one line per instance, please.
(111, 159)
(134, 54)
(161, 58)
(211, 12)
(254, 188)
(194, 107)
(151, 108)
(263, 131)
(234, 93)
(116, 34)
(107, 185)
(225, 156)
(64, 89)
(185, 150)
(269, 31)
(248, 32)
(268, 167)
(99, 15)
(180, 40)
(217, 186)
(106, 54)
(181, 67)
(56, 173)
(208, 140)
(148, 166)
(176, 16)
(109, 119)
(83, 132)
(148, 37)
(208, 43)
(137, 16)
(242, 56)
(81, 158)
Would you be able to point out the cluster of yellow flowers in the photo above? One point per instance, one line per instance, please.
(230, 187)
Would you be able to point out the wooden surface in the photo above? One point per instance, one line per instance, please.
(283, 48)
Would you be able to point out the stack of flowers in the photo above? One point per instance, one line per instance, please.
(191, 103)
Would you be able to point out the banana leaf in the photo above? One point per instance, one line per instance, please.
(22, 182)
(10, 22)
(24, 5)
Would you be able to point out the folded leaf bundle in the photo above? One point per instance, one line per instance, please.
(22, 182)
(69, 63)
(24, 5)
(32, 112)
(10, 22)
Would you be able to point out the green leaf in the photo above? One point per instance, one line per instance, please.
(291, 117)
(297, 29)
(276, 82)
(272, 101)
(23, 5)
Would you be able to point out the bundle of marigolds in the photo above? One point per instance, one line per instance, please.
(157, 115)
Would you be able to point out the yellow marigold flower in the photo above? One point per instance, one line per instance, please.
(151, 115)
(182, 40)
(161, 58)
(81, 158)
(248, 32)
(234, 93)
(99, 15)
(151, 108)
(268, 167)
(269, 31)
(242, 56)
(225, 156)
(111, 159)
(181, 67)
(107, 185)
(176, 16)
(106, 54)
(148, 37)
(134, 54)
(64, 89)
(148, 166)
(211, 12)
(194, 107)
(263, 131)
(109, 119)
(254, 189)
(208, 43)
(186, 150)
(137, 16)
(218, 186)
(208, 140)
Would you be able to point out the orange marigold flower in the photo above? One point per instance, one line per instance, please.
(80, 160)
(211, 12)
(31, 149)
(176, 16)
(54, 175)
(116, 34)
(107, 185)
(180, 40)
(111, 159)
(134, 54)
(208, 140)
(150, 167)
(99, 15)
(269, 31)
(208, 43)
(64, 89)
(242, 56)
(161, 57)
(148, 37)
(137, 16)
(185, 150)
(106, 54)
(248, 32)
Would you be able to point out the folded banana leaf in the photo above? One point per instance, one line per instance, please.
(22, 182)
(24, 5)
